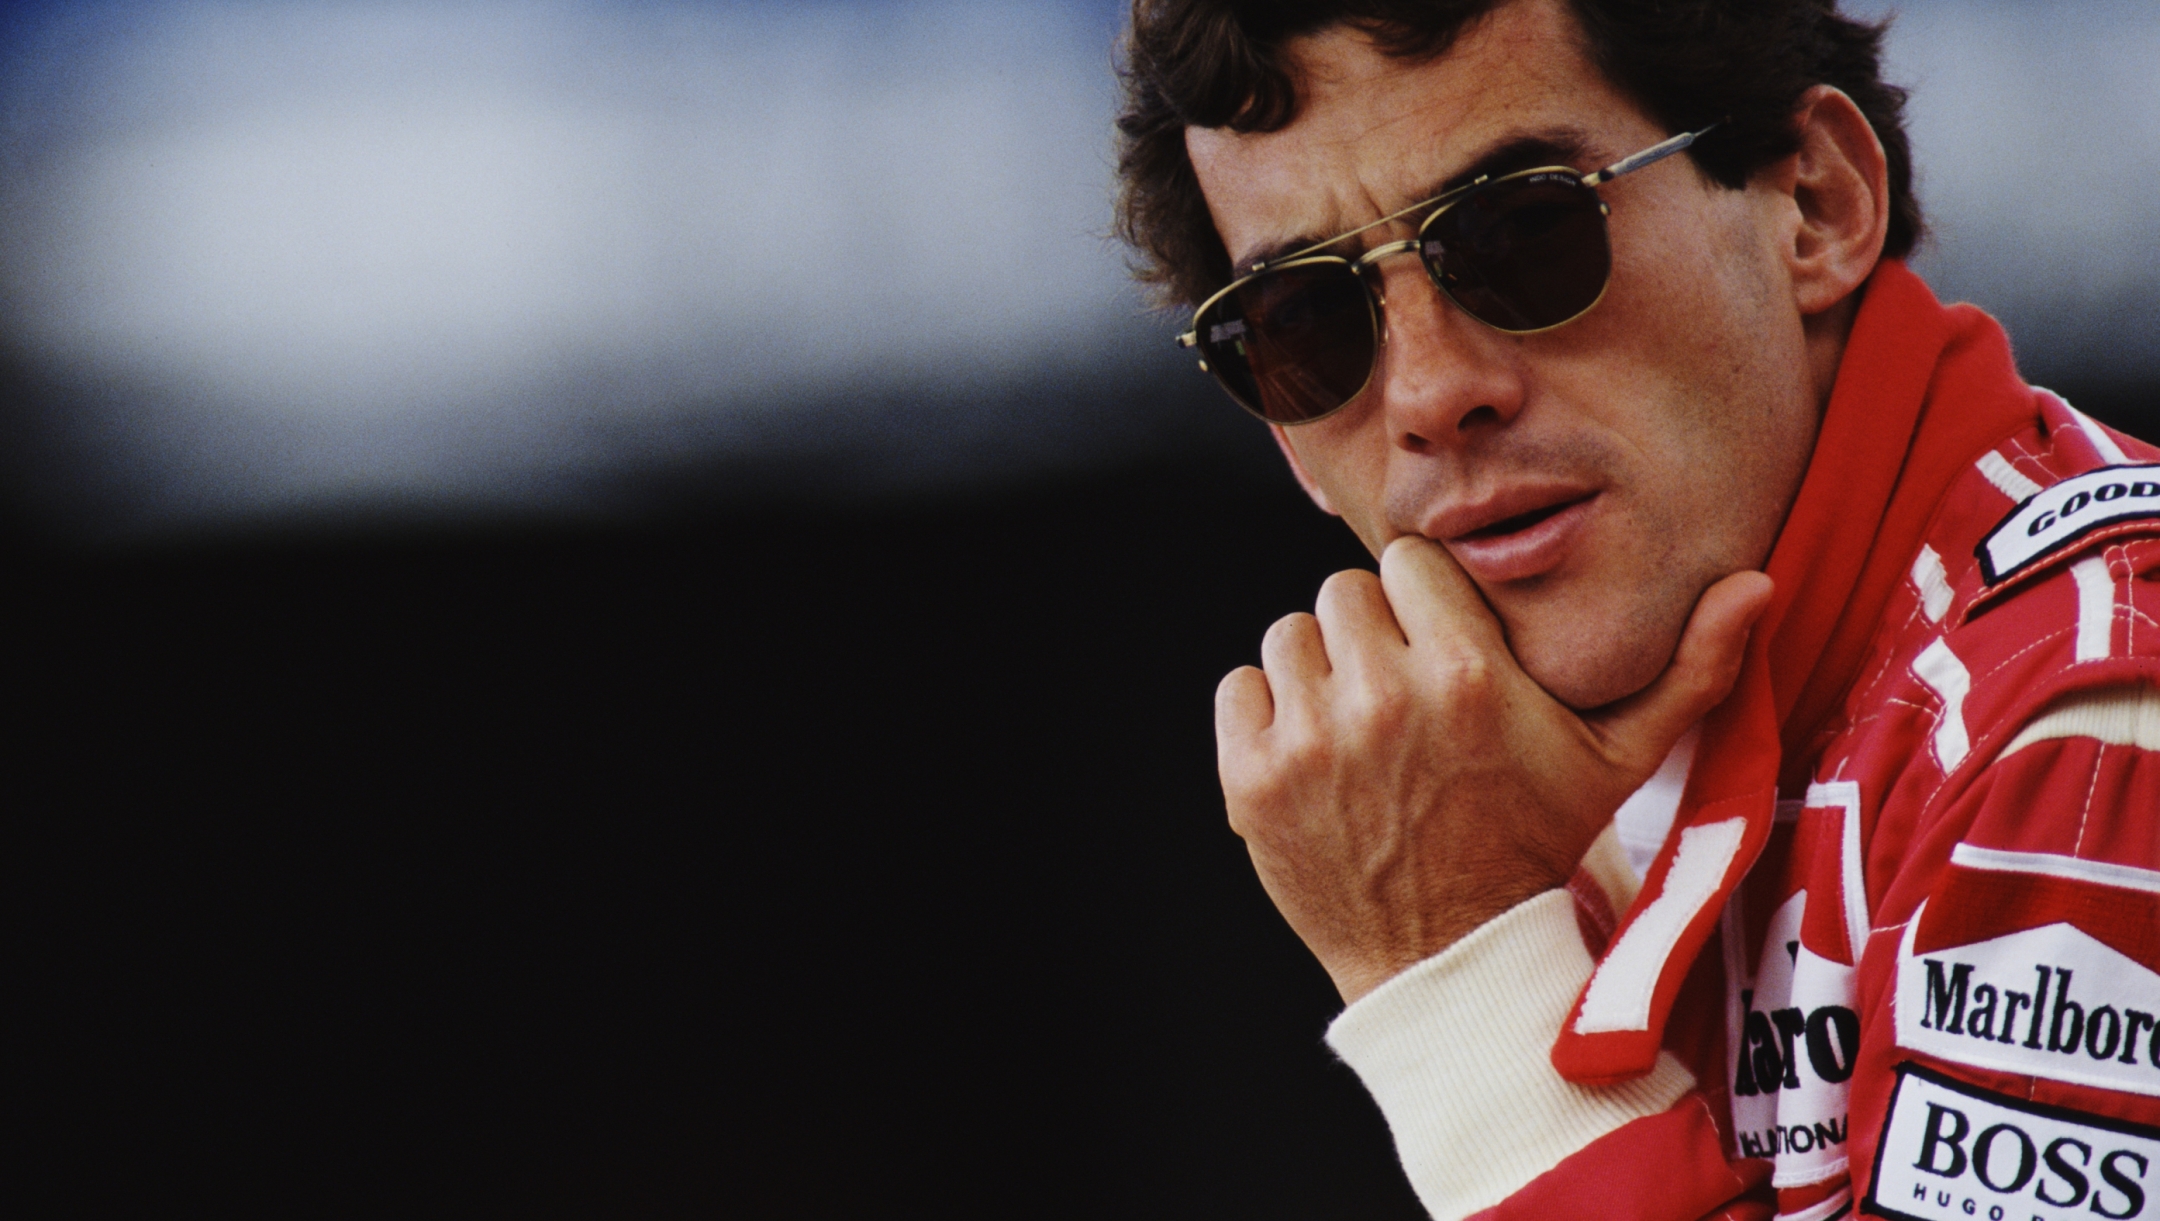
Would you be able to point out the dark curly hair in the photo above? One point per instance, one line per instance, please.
(1220, 63)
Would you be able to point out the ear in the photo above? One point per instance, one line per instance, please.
(1840, 186)
(1297, 468)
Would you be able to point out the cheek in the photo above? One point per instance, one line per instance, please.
(1336, 452)
(1697, 253)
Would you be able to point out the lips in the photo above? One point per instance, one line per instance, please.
(1519, 522)
(1516, 534)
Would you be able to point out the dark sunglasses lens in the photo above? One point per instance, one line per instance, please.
(1523, 254)
(1291, 345)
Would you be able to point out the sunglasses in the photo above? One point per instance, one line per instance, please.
(1299, 336)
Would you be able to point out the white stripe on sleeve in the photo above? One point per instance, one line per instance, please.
(1948, 678)
(2006, 478)
(2056, 865)
(2096, 607)
(2110, 452)
(1933, 582)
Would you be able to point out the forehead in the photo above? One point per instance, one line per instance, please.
(1376, 133)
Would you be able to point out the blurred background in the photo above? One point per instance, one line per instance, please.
(617, 601)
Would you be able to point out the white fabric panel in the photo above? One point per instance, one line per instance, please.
(2096, 607)
(1933, 582)
(2120, 716)
(1941, 670)
(1836, 1206)
(1619, 995)
(1645, 818)
(1457, 1052)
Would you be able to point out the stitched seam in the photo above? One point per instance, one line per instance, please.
(1882, 707)
(2126, 601)
(1883, 668)
(2042, 642)
(2085, 815)
(2047, 477)
(2036, 458)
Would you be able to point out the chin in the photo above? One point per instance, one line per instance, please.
(1591, 673)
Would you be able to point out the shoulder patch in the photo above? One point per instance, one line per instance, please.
(1952, 1151)
(2056, 518)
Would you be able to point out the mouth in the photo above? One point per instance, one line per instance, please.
(1522, 521)
(1531, 542)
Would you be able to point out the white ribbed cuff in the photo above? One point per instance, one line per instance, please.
(1456, 1050)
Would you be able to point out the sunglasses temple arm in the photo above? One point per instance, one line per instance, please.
(1649, 156)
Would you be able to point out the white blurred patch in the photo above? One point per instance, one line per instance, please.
(363, 217)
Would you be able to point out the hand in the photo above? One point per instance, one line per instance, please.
(1398, 778)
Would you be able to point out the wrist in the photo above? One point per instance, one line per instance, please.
(1361, 970)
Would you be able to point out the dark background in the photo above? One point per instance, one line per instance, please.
(787, 861)
(745, 859)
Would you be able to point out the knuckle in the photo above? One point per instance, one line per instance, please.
(1466, 676)
(1380, 702)
(1288, 629)
(1298, 750)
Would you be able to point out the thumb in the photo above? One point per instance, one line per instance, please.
(1639, 731)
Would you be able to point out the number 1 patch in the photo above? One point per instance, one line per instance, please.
(1951, 1150)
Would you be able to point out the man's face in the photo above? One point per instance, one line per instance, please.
(1592, 480)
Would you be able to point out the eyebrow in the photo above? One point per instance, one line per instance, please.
(1555, 146)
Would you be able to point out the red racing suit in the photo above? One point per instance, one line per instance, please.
(1899, 951)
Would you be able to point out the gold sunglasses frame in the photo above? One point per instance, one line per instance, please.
(1440, 204)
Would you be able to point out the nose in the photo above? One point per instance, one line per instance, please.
(1443, 378)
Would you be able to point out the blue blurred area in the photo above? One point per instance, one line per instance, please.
(2037, 131)
(261, 261)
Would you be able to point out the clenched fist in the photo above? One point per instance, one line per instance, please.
(1400, 780)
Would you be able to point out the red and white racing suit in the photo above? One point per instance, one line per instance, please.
(1897, 951)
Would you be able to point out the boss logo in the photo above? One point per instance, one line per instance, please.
(2061, 515)
(1952, 1150)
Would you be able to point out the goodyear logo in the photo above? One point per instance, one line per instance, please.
(2054, 518)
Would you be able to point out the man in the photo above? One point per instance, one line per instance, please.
(1588, 319)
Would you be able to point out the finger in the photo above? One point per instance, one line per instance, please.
(1244, 705)
(1433, 599)
(1356, 623)
(1293, 653)
(1641, 729)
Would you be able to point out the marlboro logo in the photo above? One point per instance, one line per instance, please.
(2047, 974)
